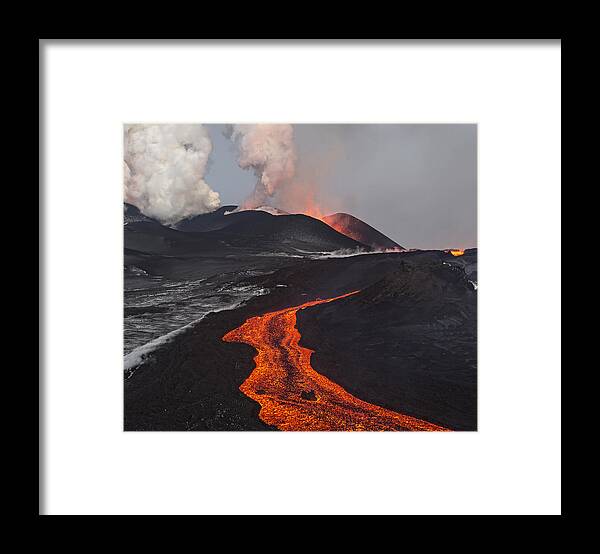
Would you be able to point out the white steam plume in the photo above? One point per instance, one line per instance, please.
(164, 171)
(270, 151)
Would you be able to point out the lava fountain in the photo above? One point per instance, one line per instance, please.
(457, 252)
(292, 395)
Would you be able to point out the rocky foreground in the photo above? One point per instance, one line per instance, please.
(405, 342)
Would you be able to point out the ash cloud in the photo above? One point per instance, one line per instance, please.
(164, 170)
(269, 150)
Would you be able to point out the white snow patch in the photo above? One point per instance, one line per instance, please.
(348, 252)
(280, 255)
(269, 209)
(140, 355)
(343, 253)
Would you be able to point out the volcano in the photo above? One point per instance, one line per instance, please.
(360, 231)
(264, 228)
(238, 320)
(264, 223)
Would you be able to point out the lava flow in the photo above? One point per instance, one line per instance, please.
(293, 396)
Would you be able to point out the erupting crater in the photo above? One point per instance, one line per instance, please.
(292, 395)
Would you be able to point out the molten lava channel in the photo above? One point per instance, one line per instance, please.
(292, 395)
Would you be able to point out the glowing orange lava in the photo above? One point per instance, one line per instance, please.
(293, 396)
(344, 230)
(457, 252)
(313, 210)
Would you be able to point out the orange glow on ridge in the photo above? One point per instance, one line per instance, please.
(457, 252)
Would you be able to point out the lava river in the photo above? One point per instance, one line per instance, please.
(292, 395)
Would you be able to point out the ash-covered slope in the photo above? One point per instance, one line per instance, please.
(360, 231)
(468, 261)
(407, 342)
(379, 345)
(212, 221)
(269, 232)
(299, 231)
(256, 230)
(228, 242)
(131, 214)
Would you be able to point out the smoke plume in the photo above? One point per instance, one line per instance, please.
(164, 171)
(269, 150)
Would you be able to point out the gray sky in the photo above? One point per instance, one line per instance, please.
(415, 183)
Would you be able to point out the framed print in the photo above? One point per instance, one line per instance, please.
(266, 313)
(300, 277)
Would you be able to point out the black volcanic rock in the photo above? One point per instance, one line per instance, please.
(132, 214)
(360, 231)
(269, 232)
(245, 241)
(407, 342)
(299, 231)
(211, 221)
(308, 395)
(376, 344)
